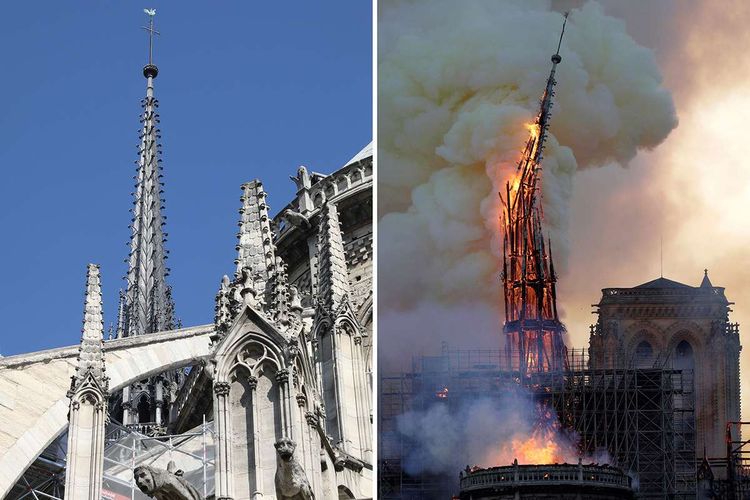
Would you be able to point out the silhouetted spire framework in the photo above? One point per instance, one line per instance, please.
(148, 306)
(533, 331)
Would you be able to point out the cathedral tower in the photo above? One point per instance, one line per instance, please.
(666, 323)
(533, 331)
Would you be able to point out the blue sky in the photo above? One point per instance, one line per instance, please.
(246, 89)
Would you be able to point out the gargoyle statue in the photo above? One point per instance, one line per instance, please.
(164, 484)
(291, 481)
(295, 218)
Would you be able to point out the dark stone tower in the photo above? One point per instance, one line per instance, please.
(666, 323)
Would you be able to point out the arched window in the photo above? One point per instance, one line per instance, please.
(683, 356)
(644, 355)
(144, 410)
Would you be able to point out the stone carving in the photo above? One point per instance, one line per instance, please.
(221, 388)
(246, 290)
(223, 305)
(164, 484)
(291, 481)
(295, 219)
(306, 179)
(302, 180)
(295, 301)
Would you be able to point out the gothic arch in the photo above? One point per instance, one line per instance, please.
(143, 408)
(322, 326)
(88, 395)
(684, 330)
(644, 330)
(644, 355)
(251, 340)
(364, 315)
(348, 325)
(683, 356)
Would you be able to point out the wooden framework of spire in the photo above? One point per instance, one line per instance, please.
(533, 331)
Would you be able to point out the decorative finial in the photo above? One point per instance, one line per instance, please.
(150, 70)
(556, 57)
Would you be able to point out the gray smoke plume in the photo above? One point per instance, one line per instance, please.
(458, 81)
(447, 436)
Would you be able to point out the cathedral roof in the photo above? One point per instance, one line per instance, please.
(662, 291)
(663, 283)
(366, 152)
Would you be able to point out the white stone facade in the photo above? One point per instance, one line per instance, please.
(291, 355)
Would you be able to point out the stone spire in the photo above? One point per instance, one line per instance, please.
(91, 357)
(333, 279)
(147, 300)
(255, 249)
(88, 395)
(262, 273)
(706, 283)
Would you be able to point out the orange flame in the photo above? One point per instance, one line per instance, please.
(539, 448)
(533, 129)
(515, 181)
(545, 444)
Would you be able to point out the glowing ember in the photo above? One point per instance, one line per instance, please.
(443, 393)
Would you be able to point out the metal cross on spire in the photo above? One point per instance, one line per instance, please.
(151, 32)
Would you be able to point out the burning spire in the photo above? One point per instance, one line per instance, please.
(533, 331)
(147, 306)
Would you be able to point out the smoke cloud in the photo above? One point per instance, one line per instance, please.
(486, 432)
(457, 83)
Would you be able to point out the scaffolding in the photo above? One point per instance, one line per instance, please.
(735, 466)
(643, 417)
(125, 448)
(192, 452)
(45, 477)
